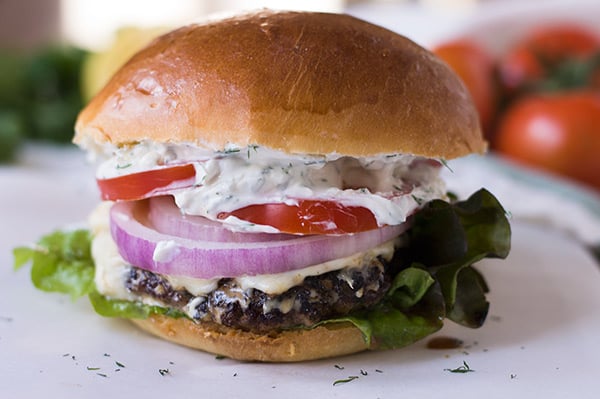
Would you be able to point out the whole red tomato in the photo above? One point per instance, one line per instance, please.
(556, 132)
(476, 68)
(540, 53)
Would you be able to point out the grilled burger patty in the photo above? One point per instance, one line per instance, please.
(318, 298)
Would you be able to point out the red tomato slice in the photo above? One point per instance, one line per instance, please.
(145, 184)
(308, 217)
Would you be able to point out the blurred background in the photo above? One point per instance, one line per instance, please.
(532, 66)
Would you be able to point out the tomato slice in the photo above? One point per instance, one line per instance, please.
(308, 217)
(147, 183)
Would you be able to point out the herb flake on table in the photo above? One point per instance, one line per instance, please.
(345, 380)
(164, 372)
(465, 368)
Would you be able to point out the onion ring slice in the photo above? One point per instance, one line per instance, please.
(143, 246)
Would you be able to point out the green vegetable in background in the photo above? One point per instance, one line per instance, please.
(433, 279)
(53, 90)
(11, 132)
(12, 103)
(40, 96)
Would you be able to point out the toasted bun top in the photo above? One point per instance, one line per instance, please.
(307, 83)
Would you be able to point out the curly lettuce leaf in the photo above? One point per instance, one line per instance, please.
(439, 281)
(61, 262)
(411, 311)
(128, 309)
(481, 222)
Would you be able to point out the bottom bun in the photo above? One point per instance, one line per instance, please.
(325, 341)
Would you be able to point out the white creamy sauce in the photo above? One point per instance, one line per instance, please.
(391, 186)
(281, 282)
(165, 251)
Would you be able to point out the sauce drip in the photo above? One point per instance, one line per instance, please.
(444, 343)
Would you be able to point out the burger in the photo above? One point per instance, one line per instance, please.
(271, 191)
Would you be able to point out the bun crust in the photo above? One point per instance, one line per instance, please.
(288, 346)
(306, 83)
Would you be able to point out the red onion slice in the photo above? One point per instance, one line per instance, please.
(144, 247)
(165, 217)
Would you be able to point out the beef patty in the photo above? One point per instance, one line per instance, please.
(330, 295)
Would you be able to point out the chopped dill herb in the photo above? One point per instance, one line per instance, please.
(363, 372)
(378, 371)
(418, 200)
(286, 169)
(163, 372)
(452, 196)
(92, 368)
(461, 369)
(345, 380)
(314, 162)
(119, 364)
(102, 375)
(253, 147)
(445, 163)
(367, 164)
(337, 366)
(230, 151)
(127, 165)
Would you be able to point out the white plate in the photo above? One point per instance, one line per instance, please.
(541, 337)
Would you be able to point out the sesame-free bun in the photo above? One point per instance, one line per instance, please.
(329, 340)
(304, 83)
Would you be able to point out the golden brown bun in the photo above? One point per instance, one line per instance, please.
(308, 83)
(289, 346)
